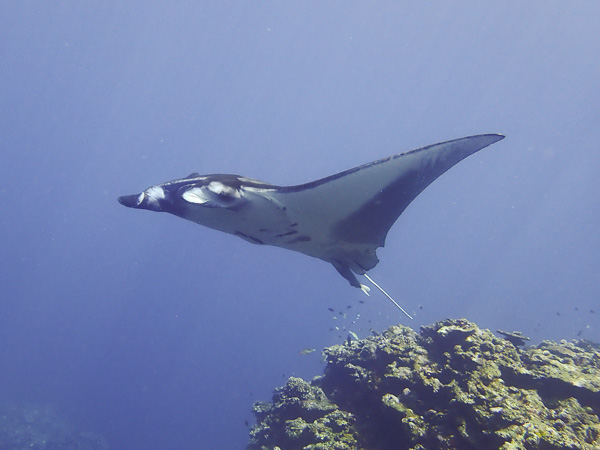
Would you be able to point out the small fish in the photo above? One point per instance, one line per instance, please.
(353, 334)
(306, 351)
(331, 309)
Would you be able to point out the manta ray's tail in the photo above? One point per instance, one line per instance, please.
(386, 294)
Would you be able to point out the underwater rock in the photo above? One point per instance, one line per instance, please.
(300, 415)
(39, 427)
(452, 386)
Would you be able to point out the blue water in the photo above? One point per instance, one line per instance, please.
(158, 333)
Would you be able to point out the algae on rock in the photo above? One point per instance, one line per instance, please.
(453, 386)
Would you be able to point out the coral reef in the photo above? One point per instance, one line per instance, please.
(36, 427)
(453, 386)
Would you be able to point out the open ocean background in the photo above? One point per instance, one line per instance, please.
(159, 334)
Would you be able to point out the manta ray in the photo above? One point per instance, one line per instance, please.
(341, 219)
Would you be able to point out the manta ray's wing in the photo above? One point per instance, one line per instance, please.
(345, 217)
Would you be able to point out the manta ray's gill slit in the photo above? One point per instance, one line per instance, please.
(387, 295)
(249, 238)
(289, 233)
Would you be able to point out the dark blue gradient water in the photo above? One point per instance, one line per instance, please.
(157, 333)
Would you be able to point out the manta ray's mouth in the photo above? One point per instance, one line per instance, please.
(131, 201)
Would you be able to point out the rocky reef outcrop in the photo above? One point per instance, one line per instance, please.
(451, 386)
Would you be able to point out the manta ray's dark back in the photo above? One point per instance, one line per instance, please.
(371, 197)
